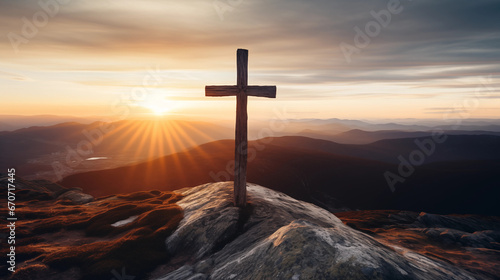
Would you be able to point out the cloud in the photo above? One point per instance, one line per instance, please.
(14, 76)
(445, 110)
(430, 45)
(296, 34)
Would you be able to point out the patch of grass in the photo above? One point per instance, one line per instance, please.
(31, 272)
(140, 249)
(27, 252)
(137, 196)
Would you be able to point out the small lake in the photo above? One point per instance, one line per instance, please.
(97, 158)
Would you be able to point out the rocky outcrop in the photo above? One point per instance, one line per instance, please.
(45, 190)
(76, 197)
(70, 239)
(470, 242)
(196, 233)
(278, 237)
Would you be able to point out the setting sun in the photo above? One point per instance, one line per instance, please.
(157, 109)
(158, 104)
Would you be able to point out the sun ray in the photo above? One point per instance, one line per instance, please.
(134, 136)
(155, 138)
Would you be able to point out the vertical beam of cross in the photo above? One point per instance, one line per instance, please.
(242, 90)
(241, 138)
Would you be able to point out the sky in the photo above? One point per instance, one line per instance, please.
(351, 59)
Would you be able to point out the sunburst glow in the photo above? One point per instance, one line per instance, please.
(157, 103)
(157, 109)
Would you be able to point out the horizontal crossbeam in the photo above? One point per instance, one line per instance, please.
(260, 91)
(221, 90)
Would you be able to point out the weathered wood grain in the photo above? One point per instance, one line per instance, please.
(259, 91)
(241, 91)
(216, 91)
(262, 91)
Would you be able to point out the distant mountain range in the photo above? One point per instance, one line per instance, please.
(456, 175)
(358, 136)
(460, 176)
(339, 125)
(37, 149)
(34, 150)
(15, 122)
(455, 147)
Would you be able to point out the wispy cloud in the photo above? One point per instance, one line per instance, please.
(430, 46)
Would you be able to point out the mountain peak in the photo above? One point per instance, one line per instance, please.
(278, 237)
(197, 233)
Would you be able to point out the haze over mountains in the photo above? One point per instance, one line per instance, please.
(455, 176)
(36, 149)
(14, 122)
(358, 136)
(364, 132)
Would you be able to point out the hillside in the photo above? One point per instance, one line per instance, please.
(453, 148)
(300, 173)
(305, 169)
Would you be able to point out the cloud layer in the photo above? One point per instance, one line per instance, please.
(429, 48)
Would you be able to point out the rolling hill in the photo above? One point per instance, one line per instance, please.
(358, 136)
(454, 147)
(326, 173)
(34, 150)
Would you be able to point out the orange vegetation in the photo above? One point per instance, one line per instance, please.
(55, 237)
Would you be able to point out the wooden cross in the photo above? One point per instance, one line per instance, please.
(242, 90)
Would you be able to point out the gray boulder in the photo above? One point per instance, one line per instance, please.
(76, 197)
(278, 237)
